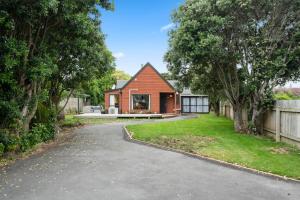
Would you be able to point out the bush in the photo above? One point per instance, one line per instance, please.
(10, 141)
(283, 96)
(1, 149)
(39, 133)
(70, 121)
(44, 114)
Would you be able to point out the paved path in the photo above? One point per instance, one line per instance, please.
(98, 164)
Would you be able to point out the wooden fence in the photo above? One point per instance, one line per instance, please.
(282, 122)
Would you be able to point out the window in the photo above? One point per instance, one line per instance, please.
(141, 102)
(195, 104)
(114, 100)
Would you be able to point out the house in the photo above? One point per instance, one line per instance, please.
(148, 92)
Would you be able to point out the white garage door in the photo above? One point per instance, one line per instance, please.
(195, 104)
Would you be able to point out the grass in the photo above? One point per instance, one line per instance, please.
(215, 137)
(71, 121)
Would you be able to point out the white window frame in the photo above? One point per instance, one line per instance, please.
(140, 94)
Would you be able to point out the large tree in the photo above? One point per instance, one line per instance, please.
(248, 46)
(40, 41)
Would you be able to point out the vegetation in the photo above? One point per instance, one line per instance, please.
(214, 137)
(49, 48)
(241, 48)
(98, 85)
(71, 121)
(285, 96)
(39, 133)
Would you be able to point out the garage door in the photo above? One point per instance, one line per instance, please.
(194, 104)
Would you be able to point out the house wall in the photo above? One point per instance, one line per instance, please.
(149, 82)
(106, 98)
(170, 104)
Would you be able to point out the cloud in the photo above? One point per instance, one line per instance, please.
(167, 27)
(118, 55)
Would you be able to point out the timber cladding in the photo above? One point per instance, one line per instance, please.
(149, 82)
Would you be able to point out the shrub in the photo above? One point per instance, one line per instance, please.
(44, 114)
(283, 96)
(1, 149)
(39, 133)
(48, 133)
(10, 141)
(70, 121)
(25, 142)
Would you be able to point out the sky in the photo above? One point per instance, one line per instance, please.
(137, 32)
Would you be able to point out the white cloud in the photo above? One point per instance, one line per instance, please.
(167, 27)
(118, 55)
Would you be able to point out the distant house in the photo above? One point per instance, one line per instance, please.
(148, 92)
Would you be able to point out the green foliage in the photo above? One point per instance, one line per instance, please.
(167, 75)
(285, 96)
(98, 85)
(44, 114)
(70, 121)
(10, 141)
(47, 47)
(39, 133)
(1, 149)
(120, 75)
(246, 48)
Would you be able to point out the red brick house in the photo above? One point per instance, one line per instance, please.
(148, 92)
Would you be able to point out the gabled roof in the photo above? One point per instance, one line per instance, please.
(188, 92)
(123, 83)
(173, 83)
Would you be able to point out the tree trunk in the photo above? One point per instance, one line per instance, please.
(216, 108)
(30, 106)
(30, 114)
(256, 121)
(238, 119)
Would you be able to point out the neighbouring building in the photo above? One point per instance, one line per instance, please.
(148, 92)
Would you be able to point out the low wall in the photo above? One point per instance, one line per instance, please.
(74, 105)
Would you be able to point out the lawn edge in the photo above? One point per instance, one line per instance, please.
(128, 137)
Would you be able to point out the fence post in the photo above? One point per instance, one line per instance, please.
(278, 124)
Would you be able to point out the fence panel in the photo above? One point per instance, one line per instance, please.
(286, 113)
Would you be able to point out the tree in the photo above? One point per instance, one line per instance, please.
(167, 75)
(120, 75)
(40, 39)
(207, 83)
(248, 46)
(98, 85)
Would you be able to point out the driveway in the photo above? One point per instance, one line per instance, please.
(99, 164)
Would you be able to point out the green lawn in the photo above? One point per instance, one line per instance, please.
(71, 121)
(215, 137)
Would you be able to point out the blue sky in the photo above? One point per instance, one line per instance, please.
(137, 32)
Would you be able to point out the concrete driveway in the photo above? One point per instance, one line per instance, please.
(98, 164)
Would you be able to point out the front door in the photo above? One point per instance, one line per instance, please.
(163, 103)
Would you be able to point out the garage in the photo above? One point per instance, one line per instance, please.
(195, 104)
